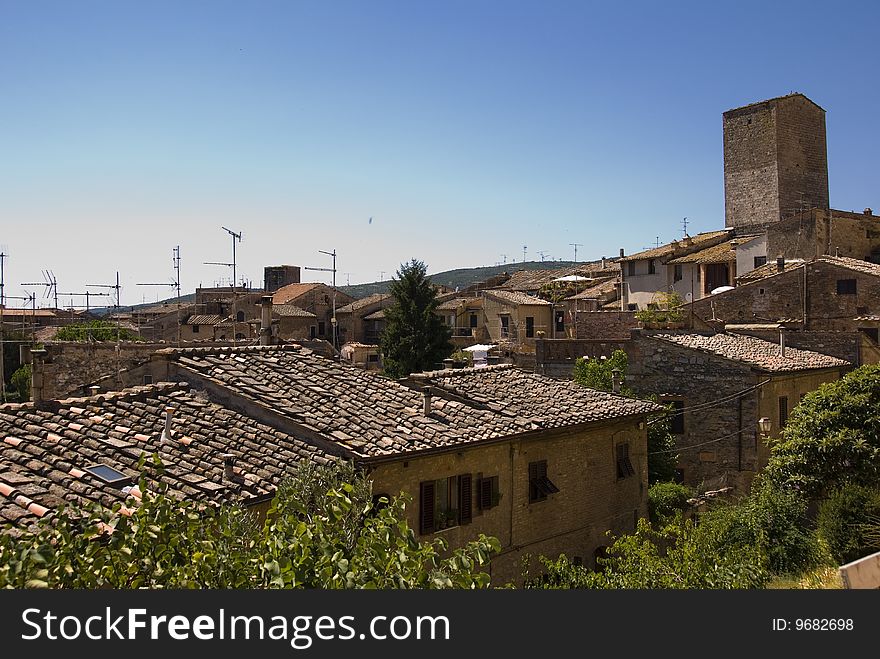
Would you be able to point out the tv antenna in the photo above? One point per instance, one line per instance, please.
(542, 254)
(51, 285)
(87, 295)
(504, 259)
(333, 270)
(347, 278)
(524, 253)
(684, 225)
(174, 283)
(3, 257)
(576, 245)
(235, 236)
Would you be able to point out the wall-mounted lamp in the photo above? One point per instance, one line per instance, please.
(764, 426)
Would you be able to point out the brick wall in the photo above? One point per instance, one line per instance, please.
(581, 464)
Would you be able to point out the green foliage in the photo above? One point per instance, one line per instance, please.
(774, 523)
(832, 436)
(664, 308)
(12, 339)
(323, 531)
(96, 330)
(845, 521)
(680, 555)
(415, 339)
(21, 382)
(665, 500)
(598, 374)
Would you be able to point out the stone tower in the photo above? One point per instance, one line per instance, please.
(775, 161)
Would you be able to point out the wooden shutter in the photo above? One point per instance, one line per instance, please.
(426, 507)
(465, 499)
(484, 493)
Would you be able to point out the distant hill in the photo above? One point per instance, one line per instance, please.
(461, 277)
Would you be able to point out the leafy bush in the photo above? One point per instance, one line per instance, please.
(323, 531)
(664, 308)
(667, 499)
(832, 437)
(96, 330)
(21, 382)
(845, 519)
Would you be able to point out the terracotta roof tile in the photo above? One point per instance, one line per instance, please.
(357, 305)
(516, 297)
(753, 351)
(680, 247)
(291, 311)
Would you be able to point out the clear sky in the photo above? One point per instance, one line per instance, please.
(464, 128)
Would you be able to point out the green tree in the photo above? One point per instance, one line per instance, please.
(323, 531)
(832, 437)
(414, 339)
(96, 330)
(666, 499)
(599, 374)
(21, 382)
(845, 521)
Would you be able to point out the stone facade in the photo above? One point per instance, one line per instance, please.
(605, 324)
(775, 161)
(555, 358)
(818, 232)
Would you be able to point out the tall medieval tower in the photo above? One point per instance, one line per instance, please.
(775, 161)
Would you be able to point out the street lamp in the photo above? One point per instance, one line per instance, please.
(764, 426)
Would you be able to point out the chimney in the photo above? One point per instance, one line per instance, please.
(229, 467)
(615, 380)
(427, 393)
(780, 264)
(266, 320)
(94, 390)
(169, 417)
(621, 252)
(868, 211)
(37, 355)
(604, 263)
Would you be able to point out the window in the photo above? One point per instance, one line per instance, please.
(846, 286)
(322, 327)
(759, 261)
(632, 307)
(473, 320)
(676, 426)
(540, 487)
(679, 476)
(530, 327)
(783, 411)
(624, 464)
(148, 379)
(505, 326)
(445, 502)
(108, 474)
(631, 268)
(373, 359)
(239, 317)
(560, 321)
(195, 329)
(487, 492)
(677, 274)
(652, 267)
(313, 332)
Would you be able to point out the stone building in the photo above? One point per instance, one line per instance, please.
(356, 321)
(545, 466)
(826, 232)
(723, 383)
(775, 161)
(316, 298)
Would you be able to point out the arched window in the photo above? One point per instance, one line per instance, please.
(239, 317)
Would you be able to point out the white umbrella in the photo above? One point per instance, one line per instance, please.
(479, 348)
(721, 289)
(573, 278)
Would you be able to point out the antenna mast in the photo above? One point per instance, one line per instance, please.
(175, 283)
(576, 245)
(333, 270)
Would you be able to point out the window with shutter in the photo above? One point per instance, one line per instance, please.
(426, 507)
(624, 464)
(540, 486)
(465, 499)
(487, 492)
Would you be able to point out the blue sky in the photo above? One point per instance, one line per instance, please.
(465, 129)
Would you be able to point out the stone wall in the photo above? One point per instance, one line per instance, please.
(819, 232)
(555, 358)
(605, 325)
(844, 345)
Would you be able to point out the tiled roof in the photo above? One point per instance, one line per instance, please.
(515, 297)
(455, 303)
(776, 98)
(755, 352)
(204, 319)
(596, 291)
(290, 310)
(367, 415)
(548, 402)
(680, 247)
(376, 315)
(44, 453)
(767, 270)
(865, 267)
(291, 292)
(375, 298)
(40, 313)
(872, 319)
(722, 253)
(532, 280)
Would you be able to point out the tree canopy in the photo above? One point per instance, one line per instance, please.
(832, 437)
(415, 339)
(96, 330)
